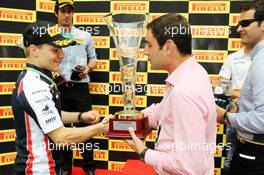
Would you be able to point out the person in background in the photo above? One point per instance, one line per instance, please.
(248, 117)
(78, 62)
(234, 70)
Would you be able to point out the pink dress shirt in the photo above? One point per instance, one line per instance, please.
(187, 116)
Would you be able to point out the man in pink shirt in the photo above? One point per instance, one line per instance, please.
(186, 116)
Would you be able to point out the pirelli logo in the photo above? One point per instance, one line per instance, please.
(98, 88)
(234, 19)
(6, 112)
(7, 158)
(141, 55)
(101, 155)
(130, 6)
(7, 135)
(102, 66)
(234, 44)
(211, 56)
(6, 88)
(217, 171)
(209, 7)
(155, 71)
(45, 6)
(119, 145)
(117, 100)
(115, 77)
(12, 63)
(156, 90)
(9, 39)
(210, 31)
(77, 154)
(101, 42)
(103, 110)
(214, 78)
(218, 152)
(220, 128)
(141, 77)
(89, 18)
(116, 166)
(151, 137)
(17, 15)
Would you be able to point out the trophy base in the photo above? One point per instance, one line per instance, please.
(118, 127)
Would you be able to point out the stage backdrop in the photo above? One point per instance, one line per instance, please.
(214, 37)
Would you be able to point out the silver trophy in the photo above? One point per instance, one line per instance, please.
(127, 31)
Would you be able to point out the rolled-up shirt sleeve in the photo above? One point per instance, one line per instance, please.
(152, 112)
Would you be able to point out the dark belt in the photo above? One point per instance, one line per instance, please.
(73, 84)
(243, 140)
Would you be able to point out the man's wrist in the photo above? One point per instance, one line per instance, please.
(142, 154)
(225, 118)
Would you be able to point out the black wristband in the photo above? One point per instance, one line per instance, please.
(142, 154)
(79, 118)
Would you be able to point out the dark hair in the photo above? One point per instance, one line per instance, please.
(257, 5)
(170, 26)
(56, 9)
(245, 6)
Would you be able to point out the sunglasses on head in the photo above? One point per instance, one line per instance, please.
(245, 22)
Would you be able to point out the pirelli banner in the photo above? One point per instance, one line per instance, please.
(214, 37)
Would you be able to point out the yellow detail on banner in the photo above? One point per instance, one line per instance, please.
(116, 166)
(114, 55)
(9, 39)
(12, 63)
(157, 90)
(117, 100)
(7, 158)
(45, 6)
(220, 128)
(210, 7)
(102, 66)
(100, 155)
(218, 151)
(130, 6)
(88, 18)
(6, 87)
(119, 145)
(152, 136)
(210, 56)
(214, 78)
(6, 112)
(98, 88)
(103, 110)
(155, 71)
(141, 78)
(100, 136)
(217, 171)
(115, 77)
(234, 19)
(101, 42)
(8, 135)
(17, 15)
(199, 31)
(234, 44)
